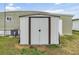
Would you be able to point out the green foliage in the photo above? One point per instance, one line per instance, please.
(31, 51)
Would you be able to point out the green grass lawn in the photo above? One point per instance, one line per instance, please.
(68, 45)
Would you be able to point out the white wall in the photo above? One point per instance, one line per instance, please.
(24, 30)
(6, 33)
(54, 30)
(75, 25)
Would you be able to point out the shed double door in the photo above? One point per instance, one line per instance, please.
(39, 31)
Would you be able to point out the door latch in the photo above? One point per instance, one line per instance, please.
(39, 30)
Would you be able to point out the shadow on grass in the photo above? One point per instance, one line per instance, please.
(54, 46)
(75, 32)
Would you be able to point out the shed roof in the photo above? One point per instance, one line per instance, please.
(37, 13)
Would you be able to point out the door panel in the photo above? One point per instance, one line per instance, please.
(34, 31)
(44, 31)
(39, 31)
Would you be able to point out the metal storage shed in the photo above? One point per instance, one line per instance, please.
(39, 28)
(42, 28)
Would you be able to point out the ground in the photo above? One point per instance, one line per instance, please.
(69, 45)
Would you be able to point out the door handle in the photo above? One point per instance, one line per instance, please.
(39, 30)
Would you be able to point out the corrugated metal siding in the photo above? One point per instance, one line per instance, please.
(54, 30)
(24, 30)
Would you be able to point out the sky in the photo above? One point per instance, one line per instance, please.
(62, 8)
